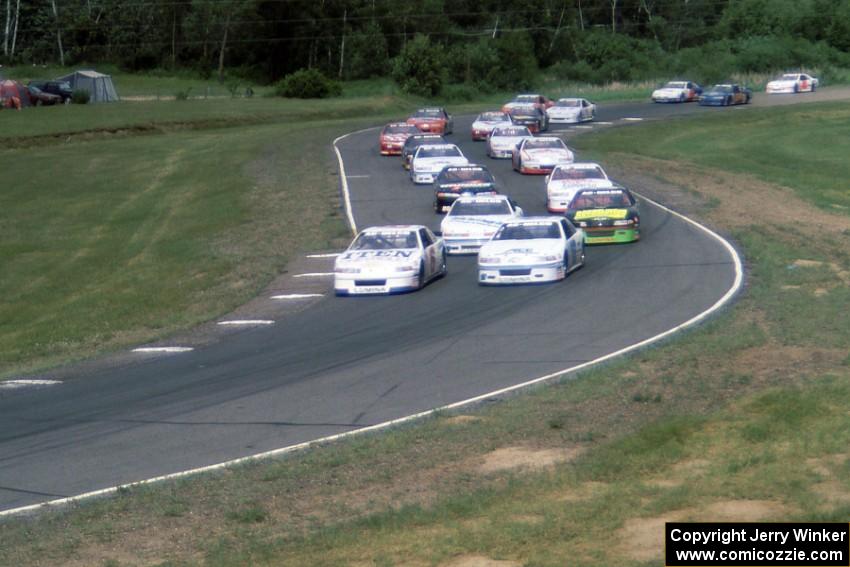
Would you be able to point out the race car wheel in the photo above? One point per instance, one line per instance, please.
(444, 267)
(796, 88)
(421, 274)
(682, 97)
(728, 101)
(814, 87)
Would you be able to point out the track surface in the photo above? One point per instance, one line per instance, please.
(347, 363)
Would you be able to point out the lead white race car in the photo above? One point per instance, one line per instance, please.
(531, 250)
(430, 159)
(566, 180)
(473, 220)
(390, 259)
(571, 110)
(792, 83)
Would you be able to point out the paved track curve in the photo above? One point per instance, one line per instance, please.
(346, 363)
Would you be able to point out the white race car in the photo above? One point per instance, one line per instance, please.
(487, 121)
(571, 110)
(541, 155)
(531, 250)
(389, 259)
(566, 179)
(430, 159)
(503, 140)
(677, 91)
(792, 83)
(473, 220)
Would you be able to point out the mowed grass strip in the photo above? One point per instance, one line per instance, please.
(745, 418)
(111, 243)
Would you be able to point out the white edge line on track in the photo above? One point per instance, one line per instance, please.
(12, 384)
(344, 181)
(164, 349)
(247, 322)
(314, 275)
(328, 255)
(736, 286)
(297, 296)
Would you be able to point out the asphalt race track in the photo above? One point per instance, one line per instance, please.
(346, 363)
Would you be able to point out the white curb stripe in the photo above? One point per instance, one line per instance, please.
(314, 275)
(13, 384)
(164, 349)
(297, 296)
(730, 293)
(329, 255)
(247, 322)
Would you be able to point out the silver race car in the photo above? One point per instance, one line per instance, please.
(430, 159)
(389, 259)
(531, 250)
(571, 110)
(487, 121)
(566, 179)
(541, 155)
(473, 220)
(504, 140)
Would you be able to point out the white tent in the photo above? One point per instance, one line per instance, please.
(98, 85)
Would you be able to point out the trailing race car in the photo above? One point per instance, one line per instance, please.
(531, 250)
(677, 91)
(432, 120)
(571, 110)
(413, 142)
(566, 179)
(531, 116)
(394, 135)
(724, 95)
(792, 83)
(454, 181)
(540, 155)
(389, 259)
(473, 220)
(486, 122)
(503, 141)
(537, 100)
(606, 215)
(430, 159)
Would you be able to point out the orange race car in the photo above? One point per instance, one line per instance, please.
(432, 120)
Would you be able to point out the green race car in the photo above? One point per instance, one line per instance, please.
(606, 215)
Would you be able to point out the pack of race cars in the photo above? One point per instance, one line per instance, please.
(587, 207)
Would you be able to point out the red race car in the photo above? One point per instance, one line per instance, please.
(432, 120)
(394, 135)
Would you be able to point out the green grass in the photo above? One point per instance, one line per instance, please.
(749, 410)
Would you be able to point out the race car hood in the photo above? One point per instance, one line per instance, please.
(565, 184)
(780, 83)
(505, 142)
(517, 251)
(564, 111)
(488, 124)
(472, 186)
(479, 225)
(549, 154)
(437, 163)
(377, 258)
(663, 93)
(611, 214)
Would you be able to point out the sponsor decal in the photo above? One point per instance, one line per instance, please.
(358, 254)
(596, 213)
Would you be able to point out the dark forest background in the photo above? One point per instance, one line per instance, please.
(426, 44)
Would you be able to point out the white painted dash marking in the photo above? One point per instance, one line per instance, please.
(358, 176)
(164, 349)
(314, 275)
(585, 127)
(297, 296)
(604, 123)
(329, 255)
(633, 119)
(12, 384)
(247, 322)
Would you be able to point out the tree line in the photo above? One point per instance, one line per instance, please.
(426, 44)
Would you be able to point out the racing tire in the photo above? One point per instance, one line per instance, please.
(682, 97)
(421, 275)
(796, 88)
(728, 101)
(814, 87)
(444, 267)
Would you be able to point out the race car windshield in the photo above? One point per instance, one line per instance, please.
(524, 110)
(570, 103)
(537, 143)
(439, 152)
(722, 89)
(469, 209)
(527, 231)
(675, 85)
(465, 176)
(589, 173)
(526, 99)
(601, 200)
(512, 132)
(415, 141)
(788, 77)
(492, 117)
(428, 114)
(385, 241)
(400, 129)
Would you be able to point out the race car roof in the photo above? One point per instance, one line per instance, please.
(484, 199)
(392, 228)
(473, 167)
(579, 165)
(437, 147)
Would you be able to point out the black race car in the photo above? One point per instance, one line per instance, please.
(531, 116)
(454, 181)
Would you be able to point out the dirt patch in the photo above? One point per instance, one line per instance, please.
(642, 539)
(584, 491)
(462, 419)
(768, 360)
(744, 511)
(508, 458)
(480, 561)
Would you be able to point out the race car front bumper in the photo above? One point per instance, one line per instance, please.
(422, 177)
(355, 284)
(391, 148)
(479, 134)
(610, 235)
(557, 204)
(564, 119)
(464, 245)
(508, 274)
(536, 168)
(781, 90)
(501, 153)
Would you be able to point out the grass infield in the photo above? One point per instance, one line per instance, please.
(745, 418)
